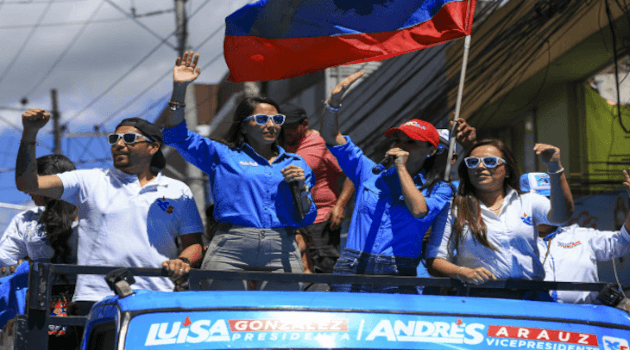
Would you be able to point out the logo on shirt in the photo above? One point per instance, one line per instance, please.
(527, 220)
(542, 180)
(165, 205)
(247, 163)
(569, 245)
(612, 343)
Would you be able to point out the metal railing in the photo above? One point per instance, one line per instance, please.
(33, 327)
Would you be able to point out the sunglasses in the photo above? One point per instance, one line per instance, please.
(262, 119)
(128, 138)
(489, 162)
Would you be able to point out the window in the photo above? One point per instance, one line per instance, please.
(103, 336)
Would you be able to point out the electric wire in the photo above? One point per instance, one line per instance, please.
(65, 51)
(134, 67)
(25, 42)
(40, 2)
(158, 80)
(149, 30)
(65, 24)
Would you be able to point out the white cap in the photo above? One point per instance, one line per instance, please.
(444, 136)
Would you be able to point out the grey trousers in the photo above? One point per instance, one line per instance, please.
(239, 248)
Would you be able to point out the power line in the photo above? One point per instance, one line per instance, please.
(66, 50)
(162, 99)
(64, 24)
(164, 40)
(120, 79)
(91, 103)
(30, 35)
(158, 80)
(38, 2)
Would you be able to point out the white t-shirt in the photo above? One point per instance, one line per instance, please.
(124, 224)
(26, 237)
(573, 255)
(514, 234)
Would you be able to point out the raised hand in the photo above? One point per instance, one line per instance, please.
(340, 89)
(186, 69)
(550, 155)
(466, 135)
(34, 119)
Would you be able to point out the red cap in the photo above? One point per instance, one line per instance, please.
(418, 130)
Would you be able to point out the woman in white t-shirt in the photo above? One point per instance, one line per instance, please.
(491, 231)
(46, 233)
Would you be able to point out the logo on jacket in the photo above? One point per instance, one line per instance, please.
(527, 220)
(165, 206)
(247, 163)
(612, 343)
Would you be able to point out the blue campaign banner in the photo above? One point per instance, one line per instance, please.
(333, 330)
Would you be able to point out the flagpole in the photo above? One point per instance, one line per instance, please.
(458, 105)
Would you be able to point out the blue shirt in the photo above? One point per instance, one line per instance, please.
(246, 189)
(381, 223)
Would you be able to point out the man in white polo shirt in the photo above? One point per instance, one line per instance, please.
(129, 215)
(570, 253)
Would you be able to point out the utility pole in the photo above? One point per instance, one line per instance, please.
(195, 175)
(55, 118)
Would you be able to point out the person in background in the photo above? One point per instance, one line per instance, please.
(331, 192)
(393, 209)
(466, 135)
(250, 177)
(46, 233)
(491, 231)
(129, 215)
(570, 253)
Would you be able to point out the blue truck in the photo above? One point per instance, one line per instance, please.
(140, 319)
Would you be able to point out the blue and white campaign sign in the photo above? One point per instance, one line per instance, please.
(332, 330)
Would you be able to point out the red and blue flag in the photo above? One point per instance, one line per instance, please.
(278, 39)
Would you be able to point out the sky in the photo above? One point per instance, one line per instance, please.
(105, 64)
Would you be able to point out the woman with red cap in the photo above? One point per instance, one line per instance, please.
(393, 209)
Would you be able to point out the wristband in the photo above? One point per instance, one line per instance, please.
(561, 170)
(184, 259)
(174, 106)
(331, 108)
(457, 273)
(29, 143)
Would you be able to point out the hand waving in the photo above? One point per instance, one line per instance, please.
(340, 89)
(184, 71)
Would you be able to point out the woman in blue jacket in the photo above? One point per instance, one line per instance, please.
(393, 209)
(250, 178)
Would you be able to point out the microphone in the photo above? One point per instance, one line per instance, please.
(383, 164)
(296, 192)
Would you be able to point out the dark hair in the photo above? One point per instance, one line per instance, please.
(433, 173)
(58, 215)
(235, 136)
(466, 202)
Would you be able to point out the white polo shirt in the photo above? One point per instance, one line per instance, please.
(573, 255)
(124, 224)
(26, 237)
(514, 233)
